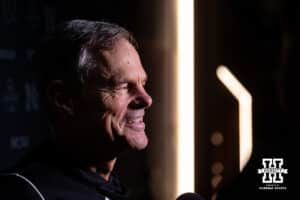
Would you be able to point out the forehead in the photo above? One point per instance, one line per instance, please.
(123, 62)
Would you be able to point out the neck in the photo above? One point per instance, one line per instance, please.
(104, 169)
(97, 161)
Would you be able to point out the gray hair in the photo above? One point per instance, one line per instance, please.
(73, 49)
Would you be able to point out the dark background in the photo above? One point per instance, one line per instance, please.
(259, 42)
(257, 39)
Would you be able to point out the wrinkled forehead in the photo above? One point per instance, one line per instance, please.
(121, 63)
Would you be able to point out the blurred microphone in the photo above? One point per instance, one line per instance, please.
(190, 196)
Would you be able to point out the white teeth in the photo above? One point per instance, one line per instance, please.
(137, 120)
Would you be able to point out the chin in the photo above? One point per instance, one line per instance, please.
(137, 141)
(141, 146)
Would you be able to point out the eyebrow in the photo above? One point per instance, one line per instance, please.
(116, 80)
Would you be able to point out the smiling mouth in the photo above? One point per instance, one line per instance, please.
(135, 122)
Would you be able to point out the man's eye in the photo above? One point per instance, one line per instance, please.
(122, 86)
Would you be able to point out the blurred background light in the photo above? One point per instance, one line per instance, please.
(245, 112)
(185, 97)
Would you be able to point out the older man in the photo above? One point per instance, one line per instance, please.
(92, 81)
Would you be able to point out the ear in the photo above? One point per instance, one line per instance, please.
(59, 97)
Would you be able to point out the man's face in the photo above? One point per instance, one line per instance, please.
(115, 98)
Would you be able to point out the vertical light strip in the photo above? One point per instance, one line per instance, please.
(185, 97)
(245, 112)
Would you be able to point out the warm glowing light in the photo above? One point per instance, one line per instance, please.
(245, 112)
(185, 96)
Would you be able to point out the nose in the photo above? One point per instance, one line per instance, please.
(142, 99)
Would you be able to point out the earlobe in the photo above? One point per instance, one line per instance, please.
(59, 99)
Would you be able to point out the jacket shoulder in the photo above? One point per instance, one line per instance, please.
(15, 186)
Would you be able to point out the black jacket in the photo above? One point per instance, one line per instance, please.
(51, 177)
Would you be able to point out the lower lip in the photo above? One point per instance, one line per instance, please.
(136, 126)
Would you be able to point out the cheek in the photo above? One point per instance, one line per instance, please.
(116, 107)
(115, 103)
